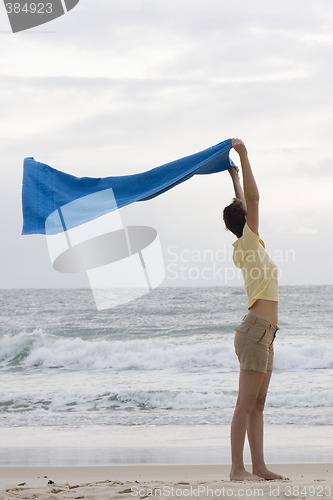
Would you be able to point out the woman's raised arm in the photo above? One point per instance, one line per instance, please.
(251, 192)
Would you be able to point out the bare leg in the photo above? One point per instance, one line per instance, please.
(249, 385)
(255, 433)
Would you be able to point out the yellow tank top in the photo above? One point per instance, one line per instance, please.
(260, 273)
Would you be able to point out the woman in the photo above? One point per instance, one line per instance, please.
(255, 335)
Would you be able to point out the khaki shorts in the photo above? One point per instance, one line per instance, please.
(253, 343)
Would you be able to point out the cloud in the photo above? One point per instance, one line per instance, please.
(322, 168)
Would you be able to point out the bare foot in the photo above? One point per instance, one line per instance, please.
(268, 474)
(243, 475)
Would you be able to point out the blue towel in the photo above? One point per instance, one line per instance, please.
(46, 189)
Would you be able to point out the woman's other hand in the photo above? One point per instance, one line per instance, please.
(234, 171)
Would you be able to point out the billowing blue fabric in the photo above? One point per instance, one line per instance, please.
(46, 189)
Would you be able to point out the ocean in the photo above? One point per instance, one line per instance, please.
(155, 380)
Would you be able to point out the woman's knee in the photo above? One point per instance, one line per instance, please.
(260, 404)
(246, 405)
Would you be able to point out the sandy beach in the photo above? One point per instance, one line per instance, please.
(161, 481)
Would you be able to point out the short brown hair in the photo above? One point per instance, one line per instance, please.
(234, 216)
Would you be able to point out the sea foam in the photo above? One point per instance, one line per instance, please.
(42, 350)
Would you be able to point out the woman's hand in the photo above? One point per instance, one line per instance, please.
(234, 172)
(239, 146)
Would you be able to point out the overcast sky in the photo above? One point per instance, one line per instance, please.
(118, 87)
